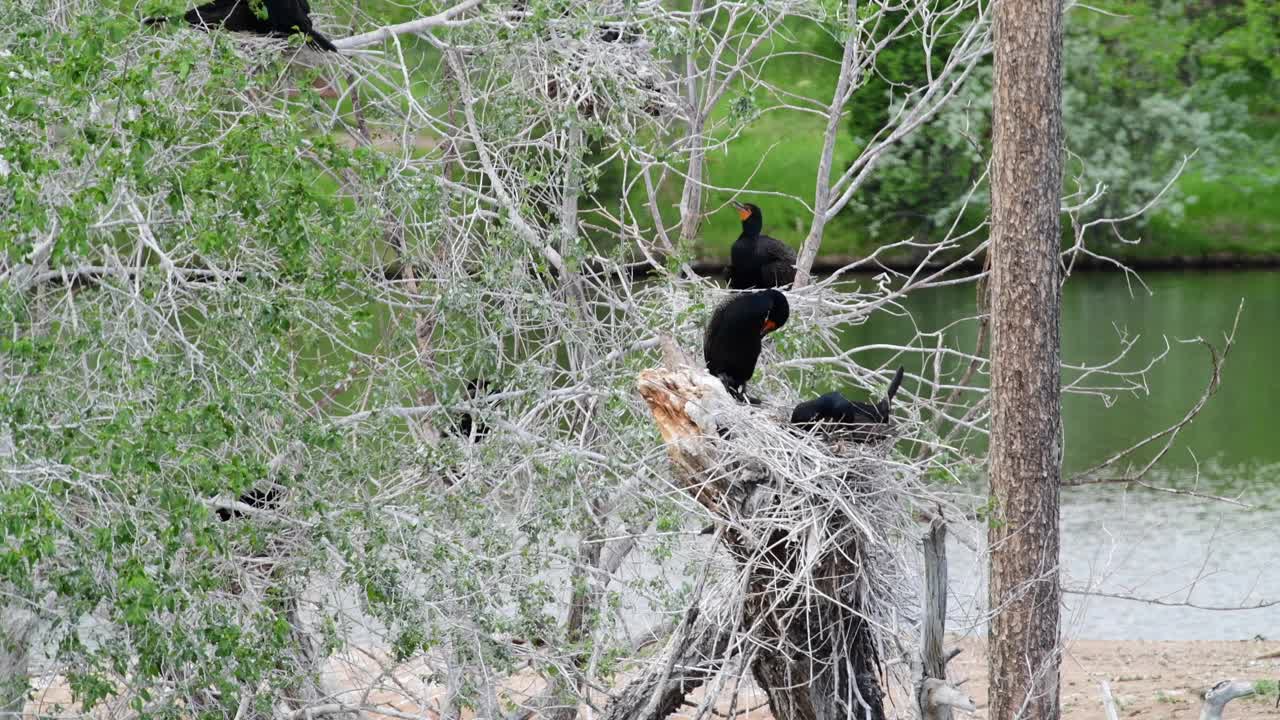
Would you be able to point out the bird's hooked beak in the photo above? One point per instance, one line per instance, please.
(744, 212)
(769, 326)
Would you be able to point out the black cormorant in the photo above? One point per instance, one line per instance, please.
(464, 422)
(280, 18)
(758, 261)
(837, 413)
(732, 341)
(258, 498)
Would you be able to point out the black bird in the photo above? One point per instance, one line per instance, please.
(618, 32)
(839, 414)
(280, 18)
(464, 422)
(256, 498)
(733, 339)
(758, 261)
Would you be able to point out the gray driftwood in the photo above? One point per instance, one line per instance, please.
(1216, 697)
(1109, 701)
(935, 696)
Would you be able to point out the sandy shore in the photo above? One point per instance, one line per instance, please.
(1158, 680)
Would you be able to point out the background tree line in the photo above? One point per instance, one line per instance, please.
(1145, 84)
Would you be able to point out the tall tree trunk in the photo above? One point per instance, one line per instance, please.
(1026, 452)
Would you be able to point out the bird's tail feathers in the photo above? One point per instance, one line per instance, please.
(321, 41)
(893, 386)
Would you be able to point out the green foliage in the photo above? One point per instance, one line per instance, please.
(1142, 90)
(126, 421)
(1131, 117)
(1265, 690)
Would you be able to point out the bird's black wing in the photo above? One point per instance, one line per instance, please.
(777, 261)
(290, 16)
(744, 264)
(824, 408)
(257, 498)
(726, 359)
(231, 15)
(709, 346)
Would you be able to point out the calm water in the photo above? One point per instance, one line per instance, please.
(1172, 548)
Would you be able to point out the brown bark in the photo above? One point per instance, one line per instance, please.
(1025, 456)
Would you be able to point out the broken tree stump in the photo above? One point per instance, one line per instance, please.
(800, 526)
(934, 695)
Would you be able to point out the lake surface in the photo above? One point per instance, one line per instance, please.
(1172, 548)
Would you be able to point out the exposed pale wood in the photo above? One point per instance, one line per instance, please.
(419, 25)
(940, 698)
(933, 660)
(693, 654)
(1217, 697)
(1108, 702)
(680, 402)
(850, 68)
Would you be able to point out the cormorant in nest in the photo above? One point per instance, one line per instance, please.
(280, 18)
(733, 339)
(256, 498)
(758, 261)
(838, 414)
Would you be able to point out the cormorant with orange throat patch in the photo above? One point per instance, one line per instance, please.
(758, 261)
(732, 342)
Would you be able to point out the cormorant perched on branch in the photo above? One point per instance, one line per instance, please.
(839, 414)
(280, 18)
(733, 339)
(758, 261)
